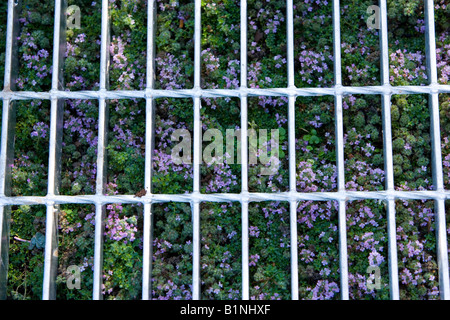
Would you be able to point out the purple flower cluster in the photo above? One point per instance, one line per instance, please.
(123, 135)
(314, 66)
(162, 158)
(126, 75)
(40, 130)
(253, 259)
(25, 171)
(312, 5)
(210, 61)
(324, 290)
(399, 71)
(309, 212)
(34, 60)
(446, 161)
(231, 76)
(443, 58)
(118, 227)
(65, 226)
(83, 128)
(264, 296)
(222, 178)
(273, 23)
(169, 71)
(172, 292)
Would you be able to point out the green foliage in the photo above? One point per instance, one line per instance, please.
(402, 8)
(221, 222)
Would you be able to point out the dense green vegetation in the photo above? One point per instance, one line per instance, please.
(220, 222)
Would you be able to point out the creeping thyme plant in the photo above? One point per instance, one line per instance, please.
(269, 232)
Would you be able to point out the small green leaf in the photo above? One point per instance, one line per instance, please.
(32, 243)
(314, 139)
(40, 240)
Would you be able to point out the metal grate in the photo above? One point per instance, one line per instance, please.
(57, 97)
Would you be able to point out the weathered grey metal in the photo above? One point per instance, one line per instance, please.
(197, 145)
(388, 155)
(55, 148)
(101, 152)
(147, 250)
(244, 153)
(229, 197)
(292, 156)
(340, 161)
(7, 138)
(223, 93)
(438, 175)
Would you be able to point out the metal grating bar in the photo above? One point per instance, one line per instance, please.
(229, 197)
(244, 155)
(149, 142)
(438, 179)
(339, 124)
(101, 152)
(7, 139)
(195, 204)
(54, 161)
(292, 158)
(223, 93)
(388, 158)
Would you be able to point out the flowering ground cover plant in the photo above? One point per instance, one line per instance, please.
(269, 252)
